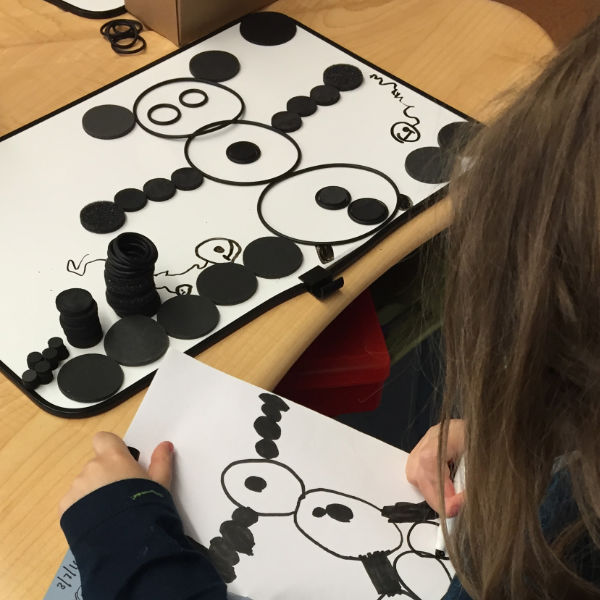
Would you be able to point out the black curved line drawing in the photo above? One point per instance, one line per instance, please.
(78, 269)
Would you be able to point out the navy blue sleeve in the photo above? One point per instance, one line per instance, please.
(129, 544)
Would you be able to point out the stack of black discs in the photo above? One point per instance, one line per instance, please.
(79, 317)
(129, 275)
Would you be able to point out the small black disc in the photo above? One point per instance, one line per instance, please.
(286, 121)
(102, 217)
(74, 302)
(214, 65)
(33, 358)
(272, 257)
(243, 153)
(227, 283)
(131, 199)
(368, 211)
(159, 189)
(333, 197)
(455, 136)
(325, 95)
(302, 105)
(90, 378)
(108, 121)
(267, 28)
(136, 341)
(343, 77)
(188, 317)
(429, 165)
(187, 179)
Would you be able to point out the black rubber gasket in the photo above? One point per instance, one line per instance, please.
(108, 30)
(156, 107)
(401, 201)
(88, 14)
(191, 104)
(211, 127)
(167, 136)
(128, 49)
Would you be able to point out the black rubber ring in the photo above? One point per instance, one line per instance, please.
(156, 107)
(118, 50)
(191, 104)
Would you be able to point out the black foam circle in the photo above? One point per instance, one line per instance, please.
(227, 283)
(188, 317)
(90, 378)
(159, 189)
(267, 28)
(429, 165)
(243, 152)
(187, 179)
(272, 257)
(102, 217)
(333, 197)
(74, 301)
(455, 136)
(343, 77)
(368, 211)
(286, 121)
(214, 65)
(136, 340)
(108, 121)
(131, 199)
(302, 105)
(325, 95)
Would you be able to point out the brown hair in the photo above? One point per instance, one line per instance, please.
(522, 330)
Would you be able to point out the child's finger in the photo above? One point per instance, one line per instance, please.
(105, 442)
(454, 504)
(161, 464)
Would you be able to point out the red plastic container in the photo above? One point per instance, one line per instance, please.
(344, 369)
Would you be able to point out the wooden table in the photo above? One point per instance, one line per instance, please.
(461, 51)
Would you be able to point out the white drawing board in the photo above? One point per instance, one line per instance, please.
(52, 169)
(93, 9)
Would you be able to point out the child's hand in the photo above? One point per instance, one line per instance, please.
(422, 467)
(113, 462)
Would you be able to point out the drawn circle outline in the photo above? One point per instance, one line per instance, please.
(191, 104)
(153, 109)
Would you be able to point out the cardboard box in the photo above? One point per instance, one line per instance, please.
(183, 21)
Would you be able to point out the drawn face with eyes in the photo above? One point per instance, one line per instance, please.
(218, 250)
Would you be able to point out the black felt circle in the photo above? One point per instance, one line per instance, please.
(159, 189)
(429, 165)
(272, 257)
(176, 117)
(102, 217)
(302, 105)
(333, 197)
(286, 121)
(131, 199)
(188, 317)
(187, 179)
(136, 341)
(184, 98)
(214, 65)
(90, 378)
(243, 152)
(108, 121)
(368, 211)
(74, 301)
(343, 77)
(267, 28)
(325, 95)
(454, 136)
(227, 283)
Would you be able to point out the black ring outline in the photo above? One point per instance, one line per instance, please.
(108, 29)
(188, 104)
(387, 552)
(152, 119)
(390, 217)
(178, 80)
(268, 461)
(118, 49)
(217, 125)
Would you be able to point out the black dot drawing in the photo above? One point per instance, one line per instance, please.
(256, 484)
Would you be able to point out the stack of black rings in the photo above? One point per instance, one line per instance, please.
(124, 36)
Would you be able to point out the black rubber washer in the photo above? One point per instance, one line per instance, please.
(159, 189)
(120, 49)
(188, 317)
(343, 77)
(267, 28)
(135, 341)
(325, 95)
(243, 152)
(90, 378)
(131, 199)
(156, 107)
(108, 121)
(102, 217)
(286, 121)
(368, 211)
(333, 197)
(187, 179)
(214, 65)
(227, 283)
(184, 102)
(429, 165)
(272, 257)
(302, 105)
